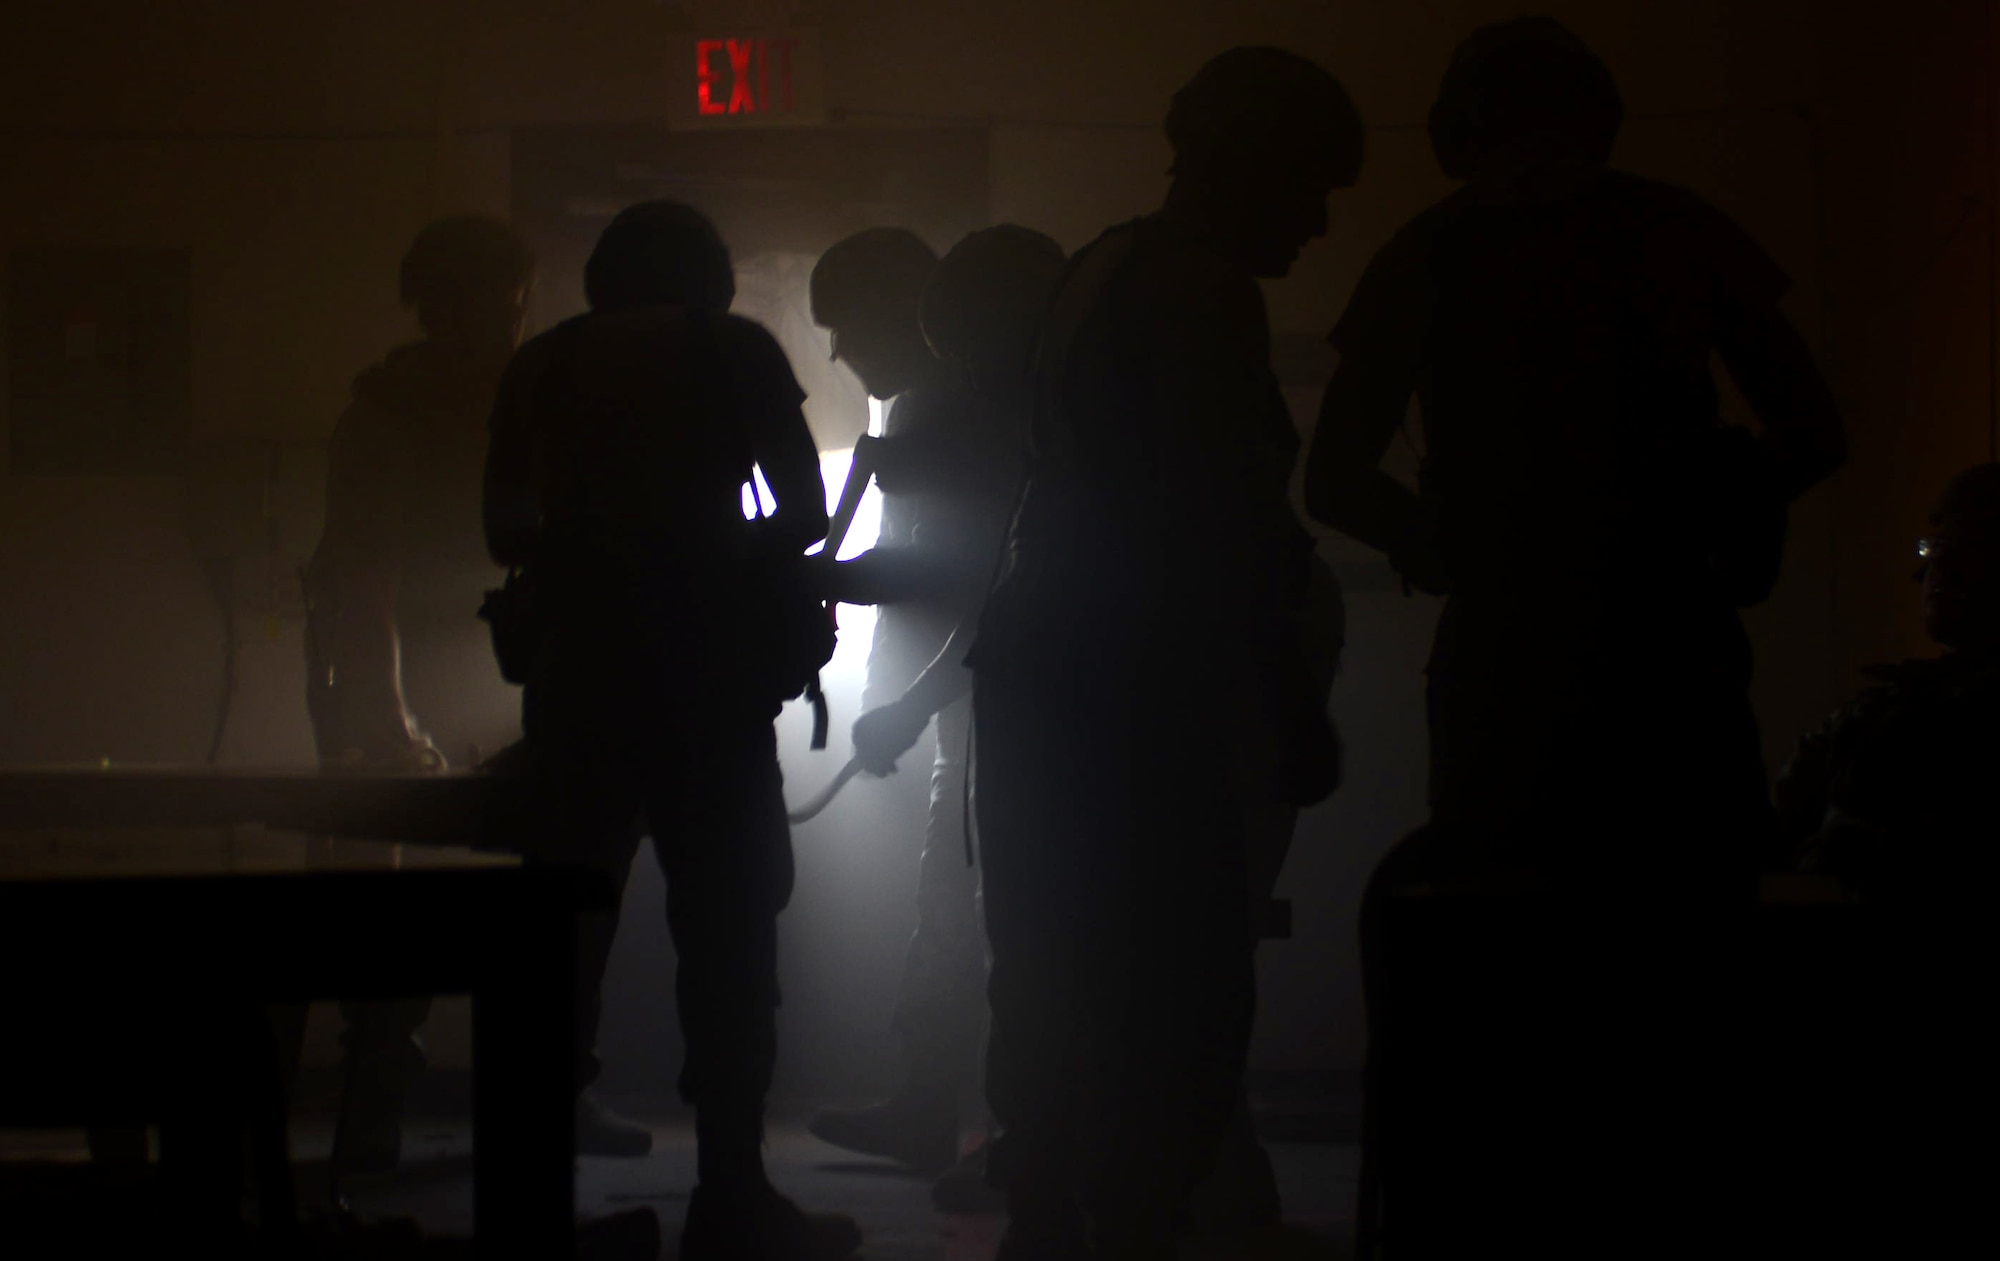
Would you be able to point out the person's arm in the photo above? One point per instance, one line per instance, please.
(1345, 487)
(1763, 353)
(886, 575)
(886, 732)
(1217, 403)
(1380, 339)
(1774, 368)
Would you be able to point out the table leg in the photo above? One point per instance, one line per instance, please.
(524, 1140)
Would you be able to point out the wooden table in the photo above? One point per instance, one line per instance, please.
(139, 905)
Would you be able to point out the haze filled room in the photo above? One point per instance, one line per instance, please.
(771, 630)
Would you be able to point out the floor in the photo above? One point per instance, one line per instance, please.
(434, 1187)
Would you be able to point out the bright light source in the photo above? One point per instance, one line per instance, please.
(857, 622)
(833, 471)
(763, 492)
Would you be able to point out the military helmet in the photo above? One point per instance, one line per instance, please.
(875, 275)
(993, 283)
(659, 253)
(1525, 76)
(461, 257)
(1272, 107)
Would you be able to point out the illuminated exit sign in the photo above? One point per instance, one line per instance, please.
(768, 78)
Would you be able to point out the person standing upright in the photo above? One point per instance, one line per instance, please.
(1593, 750)
(981, 311)
(1142, 695)
(660, 643)
(935, 464)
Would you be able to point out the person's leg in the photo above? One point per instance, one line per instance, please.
(382, 1062)
(718, 810)
(1030, 777)
(1188, 976)
(941, 1012)
(1240, 1195)
(940, 1006)
(588, 812)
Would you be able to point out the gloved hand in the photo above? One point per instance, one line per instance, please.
(886, 733)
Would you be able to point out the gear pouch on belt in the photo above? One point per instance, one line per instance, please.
(512, 616)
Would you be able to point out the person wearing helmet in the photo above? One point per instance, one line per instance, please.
(1891, 793)
(1595, 529)
(1595, 524)
(979, 313)
(399, 673)
(1142, 696)
(621, 443)
(866, 290)
(1892, 796)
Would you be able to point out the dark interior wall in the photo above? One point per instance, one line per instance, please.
(293, 150)
(1909, 107)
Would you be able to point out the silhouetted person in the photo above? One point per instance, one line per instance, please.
(1596, 528)
(980, 312)
(1893, 794)
(1594, 523)
(621, 444)
(1141, 692)
(947, 465)
(400, 673)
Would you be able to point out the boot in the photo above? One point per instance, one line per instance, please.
(919, 1132)
(963, 1188)
(602, 1132)
(752, 1222)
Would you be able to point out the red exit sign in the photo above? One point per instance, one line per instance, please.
(735, 76)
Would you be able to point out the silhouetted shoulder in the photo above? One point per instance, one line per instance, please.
(1397, 291)
(1176, 284)
(756, 361)
(528, 366)
(1680, 230)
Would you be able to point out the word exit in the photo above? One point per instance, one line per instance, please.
(735, 76)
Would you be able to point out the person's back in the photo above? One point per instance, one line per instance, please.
(1159, 457)
(1594, 523)
(621, 445)
(1594, 528)
(646, 420)
(1566, 388)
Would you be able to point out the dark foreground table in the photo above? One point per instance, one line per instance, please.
(143, 913)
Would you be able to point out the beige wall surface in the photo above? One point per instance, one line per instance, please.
(294, 149)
